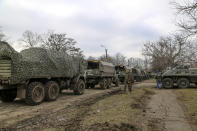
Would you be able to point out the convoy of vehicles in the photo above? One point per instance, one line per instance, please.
(38, 74)
(182, 76)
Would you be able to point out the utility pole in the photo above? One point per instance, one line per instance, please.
(105, 51)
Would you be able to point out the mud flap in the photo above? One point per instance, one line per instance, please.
(21, 92)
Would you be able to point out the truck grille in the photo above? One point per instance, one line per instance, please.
(5, 69)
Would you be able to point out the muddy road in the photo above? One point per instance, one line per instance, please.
(12, 113)
(162, 112)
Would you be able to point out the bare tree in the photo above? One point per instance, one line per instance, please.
(187, 10)
(60, 42)
(30, 39)
(188, 13)
(119, 59)
(136, 62)
(167, 52)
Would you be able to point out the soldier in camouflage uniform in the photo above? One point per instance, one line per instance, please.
(128, 80)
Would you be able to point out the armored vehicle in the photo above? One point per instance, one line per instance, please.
(99, 72)
(37, 74)
(120, 71)
(182, 76)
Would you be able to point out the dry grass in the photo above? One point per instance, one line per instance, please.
(189, 99)
(117, 109)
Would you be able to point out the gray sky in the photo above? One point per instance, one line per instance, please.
(121, 25)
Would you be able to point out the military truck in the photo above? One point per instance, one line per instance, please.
(99, 72)
(37, 74)
(137, 74)
(144, 74)
(120, 71)
(182, 76)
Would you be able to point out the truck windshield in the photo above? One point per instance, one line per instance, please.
(120, 68)
(93, 65)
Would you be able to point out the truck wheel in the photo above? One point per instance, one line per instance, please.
(109, 83)
(80, 87)
(167, 83)
(35, 93)
(8, 95)
(103, 84)
(51, 91)
(183, 83)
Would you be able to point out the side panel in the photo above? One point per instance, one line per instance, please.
(5, 69)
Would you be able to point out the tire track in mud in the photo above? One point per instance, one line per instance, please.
(19, 115)
(15, 112)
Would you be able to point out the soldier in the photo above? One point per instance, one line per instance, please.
(128, 80)
(158, 79)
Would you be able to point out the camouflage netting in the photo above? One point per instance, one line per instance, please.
(39, 63)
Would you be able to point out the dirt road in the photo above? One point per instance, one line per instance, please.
(12, 113)
(163, 113)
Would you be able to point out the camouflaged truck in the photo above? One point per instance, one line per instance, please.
(182, 76)
(120, 70)
(37, 74)
(99, 72)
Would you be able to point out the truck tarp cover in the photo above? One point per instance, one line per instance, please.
(38, 63)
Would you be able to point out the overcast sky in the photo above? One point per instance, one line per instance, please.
(121, 25)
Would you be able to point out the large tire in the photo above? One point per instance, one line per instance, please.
(35, 93)
(103, 83)
(167, 83)
(52, 90)
(80, 88)
(183, 83)
(8, 95)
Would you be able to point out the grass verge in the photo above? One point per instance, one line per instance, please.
(189, 98)
(116, 112)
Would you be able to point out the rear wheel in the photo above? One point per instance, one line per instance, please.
(35, 93)
(167, 83)
(51, 91)
(103, 83)
(183, 83)
(80, 88)
(8, 95)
